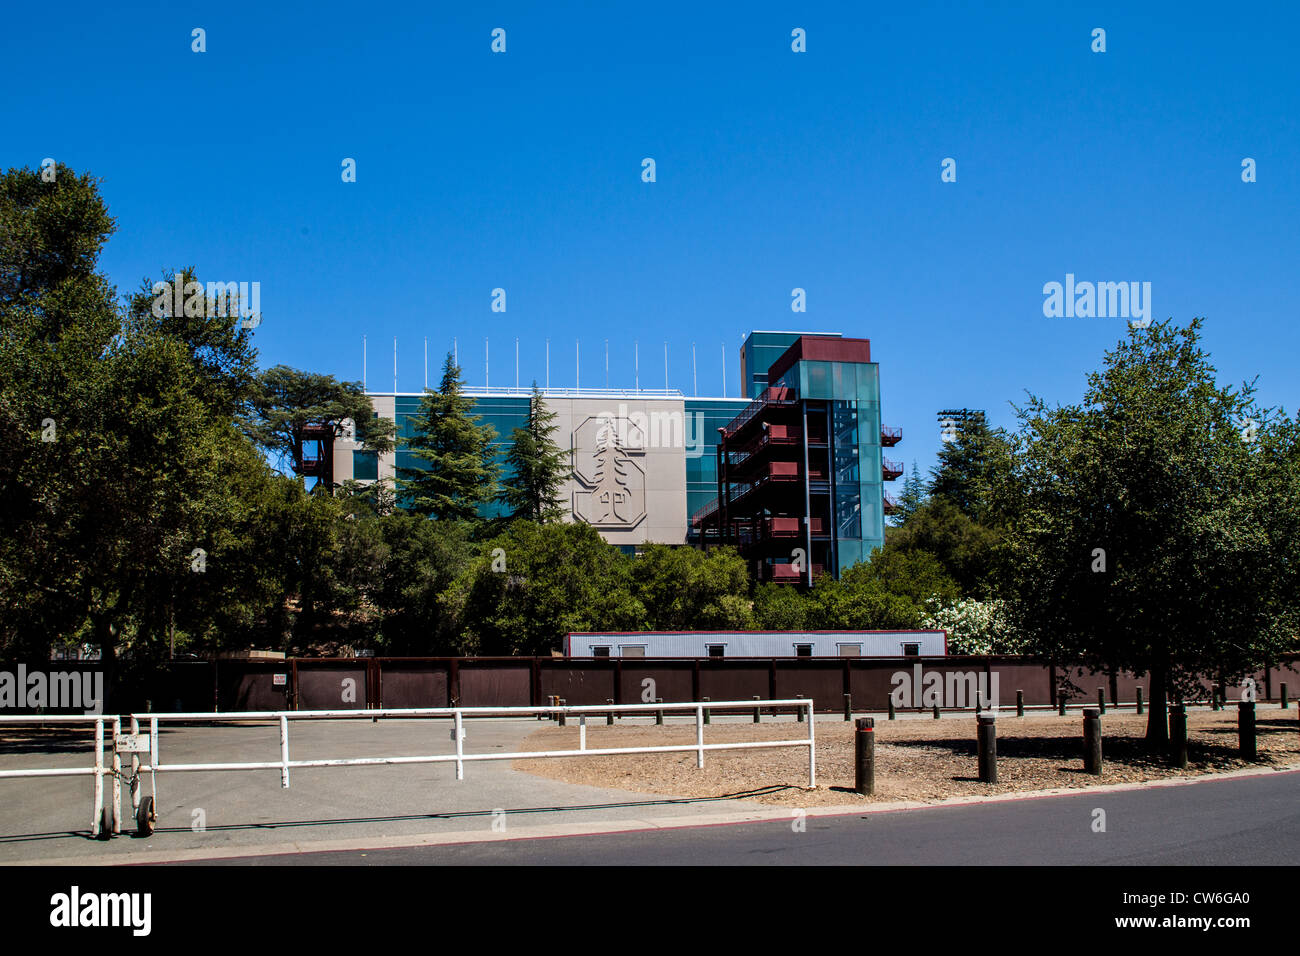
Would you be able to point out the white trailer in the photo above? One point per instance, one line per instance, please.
(661, 644)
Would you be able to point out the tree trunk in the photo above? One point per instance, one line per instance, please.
(1158, 717)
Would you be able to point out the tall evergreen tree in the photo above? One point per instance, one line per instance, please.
(913, 496)
(537, 466)
(968, 468)
(460, 472)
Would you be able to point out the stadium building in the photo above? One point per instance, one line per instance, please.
(792, 473)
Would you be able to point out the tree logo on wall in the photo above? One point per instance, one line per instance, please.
(609, 475)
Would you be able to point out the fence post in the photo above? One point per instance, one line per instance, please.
(812, 747)
(1141, 708)
(1020, 703)
(707, 713)
(561, 702)
(864, 756)
(1282, 693)
(798, 710)
(1060, 704)
(848, 706)
(757, 710)
(1178, 735)
(659, 714)
(936, 711)
(284, 752)
(891, 707)
(1092, 740)
(1246, 730)
(117, 778)
(460, 745)
(97, 811)
(582, 731)
(986, 738)
(1101, 701)
(700, 718)
(609, 717)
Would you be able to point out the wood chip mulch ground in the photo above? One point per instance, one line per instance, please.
(916, 759)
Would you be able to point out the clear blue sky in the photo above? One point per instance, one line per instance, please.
(775, 170)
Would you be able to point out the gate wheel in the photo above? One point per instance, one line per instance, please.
(145, 817)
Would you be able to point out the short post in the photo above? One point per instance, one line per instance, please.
(1141, 708)
(1020, 703)
(986, 738)
(1282, 693)
(1178, 735)
(891, 707)
(848, 706)
(1101, 700)
(609, 717)
(1214, 698)
(1246, 730)
(561, 702)
(799, 710)
(1092, 740)
(864, 756)
(1060, 705)
(757, 711)
(659, 714)
(582, 732)
(936, 711)
(707, 712)
(701, 718)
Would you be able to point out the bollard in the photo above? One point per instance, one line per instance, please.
(1246, 730)
(864, 752)
(936, 711)
(659, 714)
(1020, 703)
(706, 711)
(1060, 705)
(1101, 700)
(799, 710)
(561, 702)
(1178, 735)
(1092, 740)
(757, 711)
(609, 717)
(1282, 693)
(1140, 707)
(848, 706)
(891, 707)
(986, 739)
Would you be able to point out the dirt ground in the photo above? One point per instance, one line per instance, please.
(916, 759)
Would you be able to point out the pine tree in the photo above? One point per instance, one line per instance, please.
(460, 472)
(913, 495)
(968, 467)
(537, 465)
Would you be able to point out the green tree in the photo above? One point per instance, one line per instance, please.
(684, 588)
(779, 607)
(535, 583)
(460, 471)
(966, 549)
(968, 468)
(537, 466)
(286, 401)
(1148, 533)
(913, 496)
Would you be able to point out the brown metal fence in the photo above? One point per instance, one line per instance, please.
(319, 683)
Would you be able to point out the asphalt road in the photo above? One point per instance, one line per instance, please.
(1235, 821)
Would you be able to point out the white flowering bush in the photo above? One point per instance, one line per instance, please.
(974, 627)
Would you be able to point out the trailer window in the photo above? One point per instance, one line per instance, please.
(600, 652)
(633, 650)
(717, 650)
(911, 650)
(850, 650)
(803, 650)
